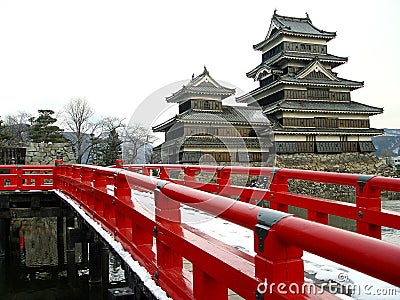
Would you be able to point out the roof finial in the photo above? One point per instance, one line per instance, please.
(192, 76)
(275, 11)
(205, 70)
(308, 17)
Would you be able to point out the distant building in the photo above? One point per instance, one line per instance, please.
(207, 130)
(308, 104)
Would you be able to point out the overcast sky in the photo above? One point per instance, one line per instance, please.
(117, 53)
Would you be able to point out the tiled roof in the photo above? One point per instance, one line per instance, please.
(202, 88)
(333, 59)
(313, 105)
(228, 114)
(311, 56)
(318, 82)
(293, 26)
(286, 79)
(202, 84)
(300, 25)
(232, 114)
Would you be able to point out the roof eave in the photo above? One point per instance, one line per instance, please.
(279, 108)
(165, 125)
(333, 84)
(327, 36)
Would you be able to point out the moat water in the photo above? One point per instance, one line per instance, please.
(32, 271)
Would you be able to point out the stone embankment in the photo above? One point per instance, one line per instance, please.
(356, 163)
(46, 154)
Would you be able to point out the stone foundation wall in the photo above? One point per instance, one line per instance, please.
(356, 163)
(46, 154)
(359, 163)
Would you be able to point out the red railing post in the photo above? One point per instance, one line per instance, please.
(100, 180)
(59, 177)
(164, 173)
(146, 171)
(206, 287)
(20, 180)
(100, 186)
(56, 172)
(276, 264)
(76, 178)
(119, 163)
(223, 178)
(168, 221)
(87, 178)
(67, 180)
(189, 175)
(64, 177)
(39, 180)
(278, 184)
(367, 199)
(122, 190)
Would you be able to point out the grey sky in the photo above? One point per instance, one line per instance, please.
(116, 53)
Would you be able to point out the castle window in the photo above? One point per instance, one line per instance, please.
(310, 138)
(313, 93)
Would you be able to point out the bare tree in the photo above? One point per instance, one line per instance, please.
(136, 138)
(17, 127)
(78, 115)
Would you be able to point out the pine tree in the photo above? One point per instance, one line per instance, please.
(43, 128)
(110, 148)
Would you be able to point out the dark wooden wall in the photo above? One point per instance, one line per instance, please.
(10, 155)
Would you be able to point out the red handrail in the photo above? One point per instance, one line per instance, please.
(366, 210)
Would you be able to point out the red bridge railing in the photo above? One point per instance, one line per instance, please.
(366, 210)
(24, 178)
(279, 238)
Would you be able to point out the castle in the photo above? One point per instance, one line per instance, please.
(301, 107)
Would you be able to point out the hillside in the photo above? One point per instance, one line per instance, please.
(390, 140)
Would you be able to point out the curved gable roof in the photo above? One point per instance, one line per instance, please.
(293, 26)
(202, 84)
